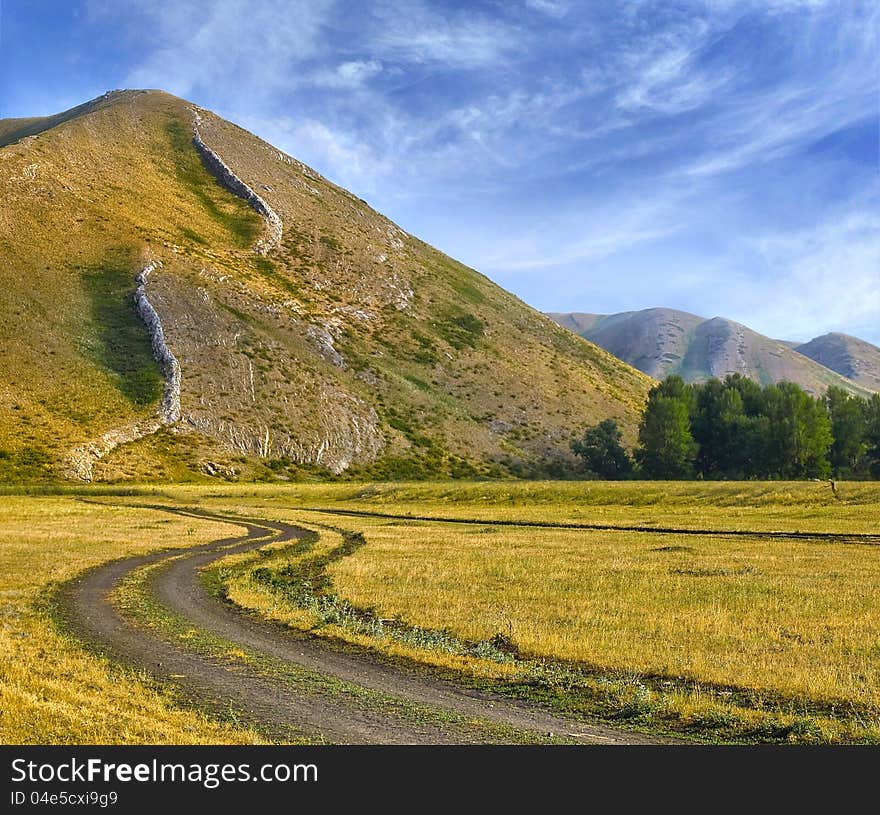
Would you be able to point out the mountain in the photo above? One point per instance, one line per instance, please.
(663, 341)
(849, 356)
(180, 299)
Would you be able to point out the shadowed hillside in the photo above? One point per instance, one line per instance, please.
(849, 356)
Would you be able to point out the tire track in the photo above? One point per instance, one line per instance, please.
(412, 709)
(864, 538)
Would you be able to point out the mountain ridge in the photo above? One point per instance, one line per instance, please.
(330, 341)
(663, 341)
(849, 356)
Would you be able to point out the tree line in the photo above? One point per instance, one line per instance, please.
(737, 429)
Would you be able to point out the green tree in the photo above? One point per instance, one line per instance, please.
(750, 392)
(718, 425)
(872, 436)
(752, 429)
(666, 447)
(847, 429)
(798, 433)
(602, 452)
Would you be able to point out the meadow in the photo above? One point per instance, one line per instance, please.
(701, 626)
(696, 632)
(52, 690)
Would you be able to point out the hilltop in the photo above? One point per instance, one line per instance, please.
(849, 356)
(298, 332)
(663, 341)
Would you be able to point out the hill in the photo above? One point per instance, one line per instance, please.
(662, 341)
(180, 299)
(849, 356)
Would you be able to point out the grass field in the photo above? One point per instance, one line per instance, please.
(798, 619)
(52, 691)
(714, 636)
(711, 505)
(709, 629)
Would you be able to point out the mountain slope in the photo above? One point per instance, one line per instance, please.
(849, 356)
(324, 338)
(662, 341)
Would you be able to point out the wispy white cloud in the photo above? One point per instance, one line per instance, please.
(772, 130)
(347, 75)
(416, 32)
(554, 8)
(582, 236)
(352, 163)
(822, 279)
(241, 48)
(659, 72)
(670, 84)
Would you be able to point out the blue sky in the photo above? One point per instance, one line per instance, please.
(718, 156)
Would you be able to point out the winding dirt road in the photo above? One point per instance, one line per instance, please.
(318, 689)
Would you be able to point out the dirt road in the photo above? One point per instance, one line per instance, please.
(312, 687)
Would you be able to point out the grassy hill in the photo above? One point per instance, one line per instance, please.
(349, 347)
(663, 341)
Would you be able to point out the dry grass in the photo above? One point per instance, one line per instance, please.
(794, 625)
(799, 619)
(750, 505)
(51, 690)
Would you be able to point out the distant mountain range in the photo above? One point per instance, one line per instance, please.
(663, 341)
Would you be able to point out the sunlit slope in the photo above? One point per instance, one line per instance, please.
(350, 346)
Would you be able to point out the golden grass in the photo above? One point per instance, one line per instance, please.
(51, 690)
(779, 618)
(801, 619)
(793, 622)
(805, 506)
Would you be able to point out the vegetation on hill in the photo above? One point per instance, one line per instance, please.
(352, 348)
(849, 356)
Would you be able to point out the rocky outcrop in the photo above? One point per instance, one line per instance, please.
(169, 411)
(222, 172)
(348, 433)
(323, 342)
(80, 462)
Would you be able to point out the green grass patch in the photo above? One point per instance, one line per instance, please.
(224, 208)
(118, 339)
(460, 329)
(268, 270)
(28, 464)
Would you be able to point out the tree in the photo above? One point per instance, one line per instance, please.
(848, 429)
(872, 435)
(718, 425)
(666, 447)
(602, 451)
(750, 392)
(798, 433)
(749, 457)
